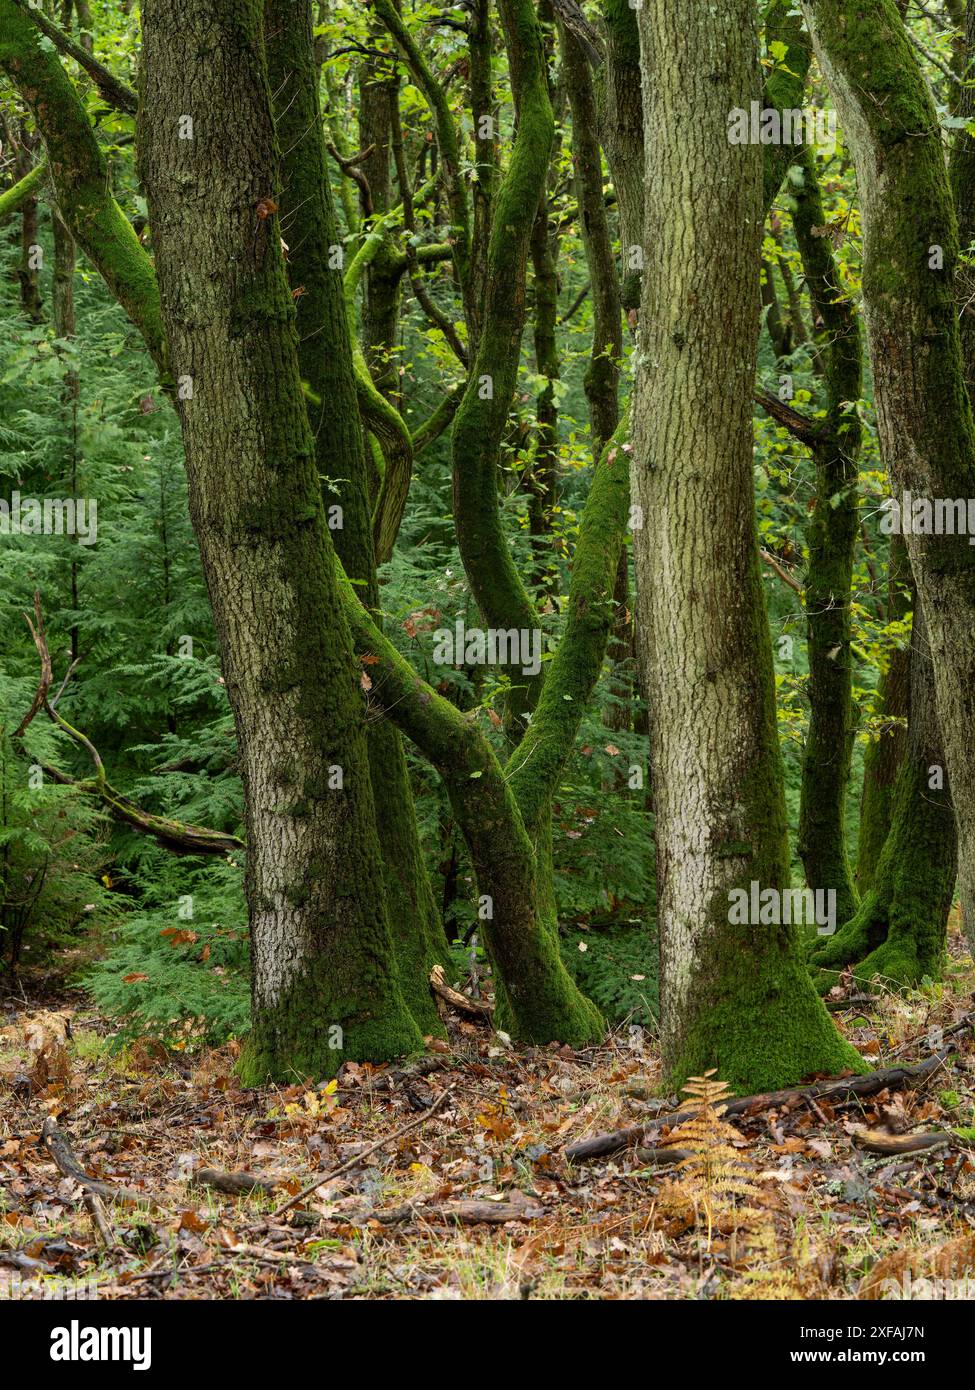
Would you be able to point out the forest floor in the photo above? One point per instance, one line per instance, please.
(448, 1179)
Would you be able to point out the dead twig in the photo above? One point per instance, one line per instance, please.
(323, 1178)
(99, 1218)
(60, 1150)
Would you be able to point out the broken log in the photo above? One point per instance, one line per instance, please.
(476, 1008)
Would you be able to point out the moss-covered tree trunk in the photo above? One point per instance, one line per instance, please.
(323, 972)
(910, 254)
(621, 106)
(734, 997)
(378, 95)
(28, 272)
(79, 173)
(831, 537)
(962, 170)
(543, 479)
(898, 934)
(315, 273)
(885, 752)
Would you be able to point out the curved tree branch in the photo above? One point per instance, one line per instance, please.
(80, 176)
(117, 93)
(175, 835)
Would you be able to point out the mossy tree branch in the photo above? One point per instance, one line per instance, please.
(79, 175)
(448, 139)
(13, 199)
(483, 412)
(117, 93)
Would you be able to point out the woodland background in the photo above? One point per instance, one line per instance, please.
(111, 918)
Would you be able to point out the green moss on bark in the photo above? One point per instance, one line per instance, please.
(898, 933)
(79, 174)
(831, 537)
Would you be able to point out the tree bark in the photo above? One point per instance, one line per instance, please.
(885, 754)
(326, 364)
(734, 997)
(324, 984)
(910, 254)
(831, 537)
(898, 933)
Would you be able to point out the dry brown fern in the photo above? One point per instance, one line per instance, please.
(765, 1275)
(954, 1260)
(714, 1177)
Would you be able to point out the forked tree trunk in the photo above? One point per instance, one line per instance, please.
(734, 997)
(326, 364)
(324, 982)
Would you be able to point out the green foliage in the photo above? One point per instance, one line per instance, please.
(52, 843)
(168, 975)
(617, 968)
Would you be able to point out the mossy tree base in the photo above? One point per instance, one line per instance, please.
(306, 1035)
(557, 1012)
(766, 1033)
(898, 933)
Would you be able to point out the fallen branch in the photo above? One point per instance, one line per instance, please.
(60, 1150)
(180, 836)
(239, 1183)
(358, 1158)
(662, 1157)
(477, 1008)
(599, 1145)
(99, 1218)
(465, 1213)
(891, 1144)
(23, 1262)
(940, 1033)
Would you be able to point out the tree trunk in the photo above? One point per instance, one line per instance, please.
(910, 252)
(734, 997)
(884, 756)
(324, 985)
(831, 537)
(621, 105)
(325, 362)
(898, 934)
